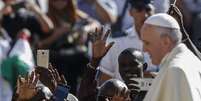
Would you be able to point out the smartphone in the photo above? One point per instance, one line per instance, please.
(61, 92)
(143, 83)
(43, 58)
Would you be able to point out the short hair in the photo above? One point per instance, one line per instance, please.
(134, 53)
(140, 5)
(173, 33)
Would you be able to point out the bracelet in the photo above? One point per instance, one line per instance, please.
(90, 66)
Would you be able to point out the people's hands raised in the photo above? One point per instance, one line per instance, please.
(26, 87)
(99, 46)
(60, 79)
(50, 77)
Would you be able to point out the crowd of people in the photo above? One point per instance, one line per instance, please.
(101, 50)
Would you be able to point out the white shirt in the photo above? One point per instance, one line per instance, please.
(179, 78)
(161, 6)
(5, 90)
(127, 20)
(109, 6)
(4, 48)
(109, 64)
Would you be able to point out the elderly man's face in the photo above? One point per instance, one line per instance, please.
(153, 43)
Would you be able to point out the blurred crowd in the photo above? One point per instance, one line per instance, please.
(95, 47)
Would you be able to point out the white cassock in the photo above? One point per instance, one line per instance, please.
(179, 78)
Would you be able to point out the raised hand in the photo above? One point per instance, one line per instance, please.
(59, 79)
(132, 84)
(50, 77)
(99, 47)
(26, 87)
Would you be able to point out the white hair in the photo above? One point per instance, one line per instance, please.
(173, 33)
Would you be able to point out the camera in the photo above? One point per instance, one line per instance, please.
(143, 83)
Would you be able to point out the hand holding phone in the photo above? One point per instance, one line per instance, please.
(143, 83)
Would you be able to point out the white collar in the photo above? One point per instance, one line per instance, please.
(177, 49)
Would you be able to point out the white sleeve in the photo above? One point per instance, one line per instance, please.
(109, 63)
(109, 6)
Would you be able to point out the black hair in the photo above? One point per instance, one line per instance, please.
(132, 52)
(141, 4)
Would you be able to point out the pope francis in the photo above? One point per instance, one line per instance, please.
(179, 78)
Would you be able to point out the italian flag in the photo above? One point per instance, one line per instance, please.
(19, 61)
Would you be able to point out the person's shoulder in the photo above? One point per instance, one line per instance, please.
(176, 70)
(185, 59)
(71, 97)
